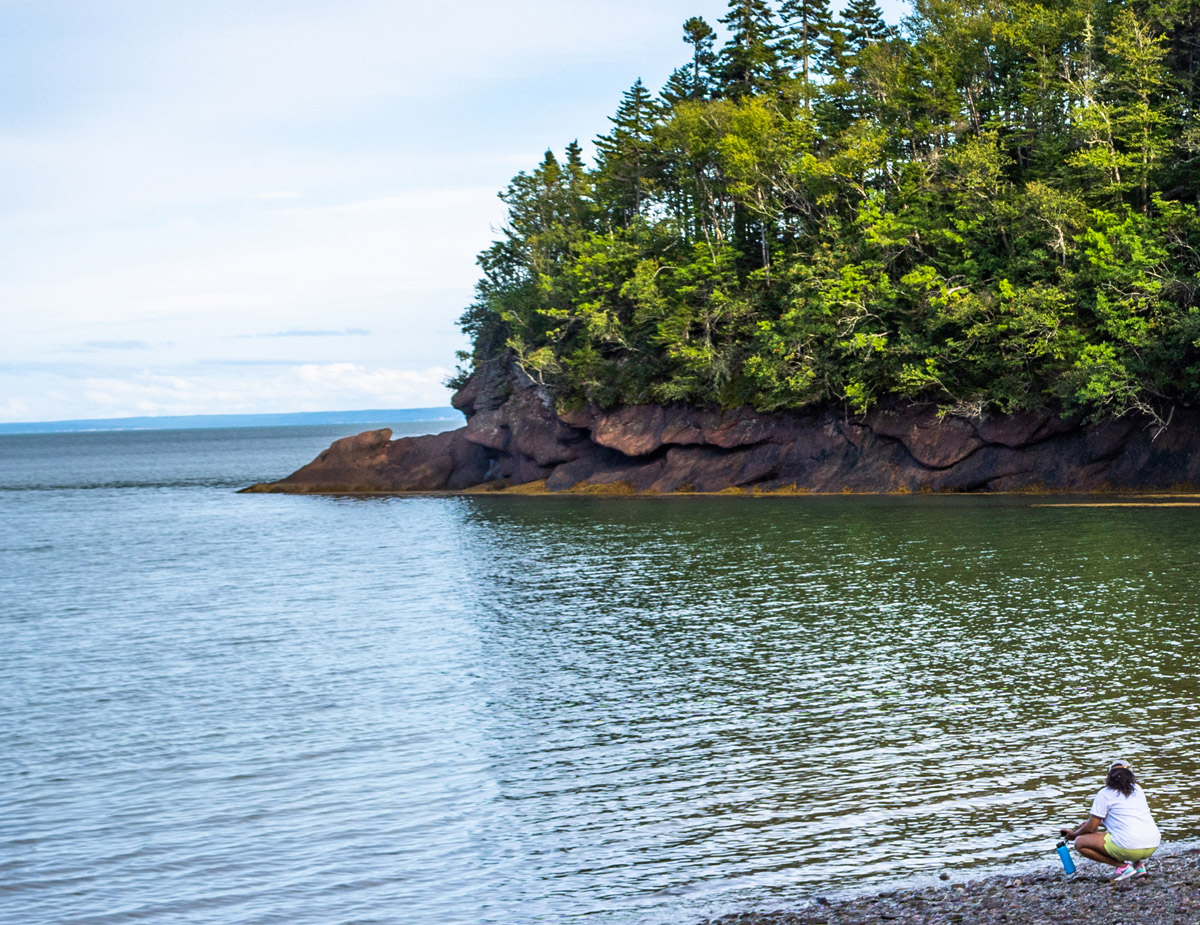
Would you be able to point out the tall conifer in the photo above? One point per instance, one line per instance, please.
(699, 34)
(693, 81)
(748, 63)
(864, 25)
(626, 155)
(805, 22)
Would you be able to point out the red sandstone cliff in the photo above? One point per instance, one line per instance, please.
(514, 436)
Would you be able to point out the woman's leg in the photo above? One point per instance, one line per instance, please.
(1092, 846)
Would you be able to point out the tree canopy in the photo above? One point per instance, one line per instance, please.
(993, 207)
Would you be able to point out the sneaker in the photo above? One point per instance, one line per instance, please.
(1139, 869)
(1124, 872)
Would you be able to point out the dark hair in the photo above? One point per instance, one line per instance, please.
(1120, 778)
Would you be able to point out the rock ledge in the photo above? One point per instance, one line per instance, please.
(515, 437)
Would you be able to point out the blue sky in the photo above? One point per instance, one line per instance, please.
(239, 206)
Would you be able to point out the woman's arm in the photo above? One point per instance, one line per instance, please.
(1084, 828)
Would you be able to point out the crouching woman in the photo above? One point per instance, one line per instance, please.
(1130, 835)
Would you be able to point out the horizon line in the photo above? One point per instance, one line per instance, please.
(163, 421)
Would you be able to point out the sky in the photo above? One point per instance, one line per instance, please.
(254, 206)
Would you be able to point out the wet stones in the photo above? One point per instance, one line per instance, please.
(1170, 895)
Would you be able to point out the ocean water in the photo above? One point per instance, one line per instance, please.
(229, 708)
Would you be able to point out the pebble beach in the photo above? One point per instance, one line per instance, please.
(1170, 893)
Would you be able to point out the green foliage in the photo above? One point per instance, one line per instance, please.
(749, 63)
(993, 207)
(805, 23)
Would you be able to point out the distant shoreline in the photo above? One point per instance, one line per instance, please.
(214, 421)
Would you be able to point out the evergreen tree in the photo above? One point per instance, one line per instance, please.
(863, 32)
(627, 171)
(833, 52)
(1122, 118)
(699, 34)
(693, 81)
(678, 87)
(862, 22)
(748, 63)
(834, 107)
(806, 23)
(579, 188)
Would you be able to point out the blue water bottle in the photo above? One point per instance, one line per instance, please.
(1064, 855)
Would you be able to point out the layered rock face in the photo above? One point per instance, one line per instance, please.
(515, 437)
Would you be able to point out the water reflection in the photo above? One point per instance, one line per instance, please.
(729, 698)
(266, 708)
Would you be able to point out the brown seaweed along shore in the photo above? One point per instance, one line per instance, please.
(1169, 895)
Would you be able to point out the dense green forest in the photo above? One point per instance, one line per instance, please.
(990, 207)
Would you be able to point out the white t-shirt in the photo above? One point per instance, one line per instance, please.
(1127, 818)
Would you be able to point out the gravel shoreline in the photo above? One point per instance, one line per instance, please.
(1170, 893)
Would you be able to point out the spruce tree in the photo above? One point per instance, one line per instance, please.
(699, 34)
(863, 23)
(579, 187)
(834, 107)
(862, 26)
(626, 169)
(748, 63)
(806, 22)
(678, 87)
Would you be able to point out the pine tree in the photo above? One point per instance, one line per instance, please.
(626, 171)
(699, 34)
(833, 52)
(579, 187)
(834, 106)
(863, 23)
(748, 63)
(678, 88)
(862, 28)
(806, 22)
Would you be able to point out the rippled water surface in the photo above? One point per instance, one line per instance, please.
(256, 708)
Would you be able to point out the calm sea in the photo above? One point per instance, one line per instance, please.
(228, 708)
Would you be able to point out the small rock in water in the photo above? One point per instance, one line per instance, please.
(943, 876)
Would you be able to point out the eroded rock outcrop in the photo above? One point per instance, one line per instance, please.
(514, 436)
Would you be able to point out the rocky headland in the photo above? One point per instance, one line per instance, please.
(1169, 895)
(516, 440)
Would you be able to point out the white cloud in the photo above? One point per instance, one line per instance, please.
(210, 303)
(384, 384)
(299, 265)
(15, 409)
(307, 387)
(117, 345)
